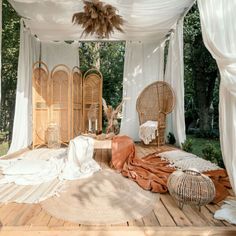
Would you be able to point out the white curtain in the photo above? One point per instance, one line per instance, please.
(219, 34)
(144, 64)
(54, 53)
(0, 50)
(174, 75)
(22, 127)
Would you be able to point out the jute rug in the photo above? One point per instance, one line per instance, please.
(105, 198)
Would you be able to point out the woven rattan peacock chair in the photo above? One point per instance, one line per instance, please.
(153, 104)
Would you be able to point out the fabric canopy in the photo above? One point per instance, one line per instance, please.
(144, 19)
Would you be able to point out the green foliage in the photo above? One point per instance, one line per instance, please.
(171, 138)
(201, 74)
(10, 51)
(187, 146)
(211, 153)
(109, 56)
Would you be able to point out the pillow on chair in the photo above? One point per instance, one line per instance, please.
(148, 131)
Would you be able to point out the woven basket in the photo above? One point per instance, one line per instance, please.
(191, 187)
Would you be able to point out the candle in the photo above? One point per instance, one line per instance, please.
(96, 124)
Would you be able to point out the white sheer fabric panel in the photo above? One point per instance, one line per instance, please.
(219, 34)
(144, 64)
(22, 127)
(174, 75)
(52, 54)
(144, 19)
(55, 53)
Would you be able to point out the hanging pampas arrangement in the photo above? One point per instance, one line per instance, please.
(98, 18)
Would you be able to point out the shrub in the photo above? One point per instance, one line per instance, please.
(171, 138)
(187, 145)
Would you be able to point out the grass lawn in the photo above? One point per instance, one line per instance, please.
(199, 143)
(3, 148)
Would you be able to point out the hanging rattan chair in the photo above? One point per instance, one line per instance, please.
(153, 104)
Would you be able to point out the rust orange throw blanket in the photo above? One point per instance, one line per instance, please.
(151, 173)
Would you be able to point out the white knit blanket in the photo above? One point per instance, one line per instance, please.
(41, 173)
(184, 160)
(148, 131)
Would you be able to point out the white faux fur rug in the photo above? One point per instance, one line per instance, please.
(227, 211)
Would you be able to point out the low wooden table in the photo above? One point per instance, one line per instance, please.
(102, 144)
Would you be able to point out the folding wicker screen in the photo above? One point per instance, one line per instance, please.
(92, 101)
(40, 103)
(154, 103)
(60, 102)
(77, 102)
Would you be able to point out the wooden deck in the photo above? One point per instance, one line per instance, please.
(165, 219)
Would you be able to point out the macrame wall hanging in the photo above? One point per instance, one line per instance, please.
(98, 18)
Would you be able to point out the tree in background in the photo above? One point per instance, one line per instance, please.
(201, 75)
(109, 57)
(10, 52)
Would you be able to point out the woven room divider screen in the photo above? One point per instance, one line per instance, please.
(57, 99)
(92, 101)
(40, 103)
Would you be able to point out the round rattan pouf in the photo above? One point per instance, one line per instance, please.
(191, 187)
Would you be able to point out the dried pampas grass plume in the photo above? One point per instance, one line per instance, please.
(98, 18)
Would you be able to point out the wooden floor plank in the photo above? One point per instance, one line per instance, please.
(9, 220)
(213, 208)
(137, 222)
(209, 216)
(25, 215)
(55, 222)
(6, 211)
(163, 215)
(151, 220)
(35, 215)
(194, 216)
(17, 214)
(42, 219)
(68, 223)
(177, 215)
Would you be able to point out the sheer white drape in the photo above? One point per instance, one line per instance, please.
(174, 75)
(22, 127)
(55, 53)
(144, 64)
(52, 54)
(219, 34)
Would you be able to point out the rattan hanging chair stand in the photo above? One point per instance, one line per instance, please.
(154, 103)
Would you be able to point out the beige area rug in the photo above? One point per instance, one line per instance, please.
(105, 198)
